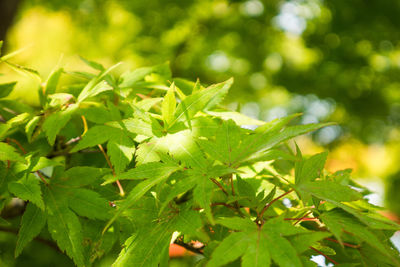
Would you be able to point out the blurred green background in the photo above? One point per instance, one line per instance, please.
(332, 60)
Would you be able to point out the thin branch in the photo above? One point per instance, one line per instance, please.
(259, 218)
(189, 247)
(233, 189)
(321, 253)
(219, 185)
(223, 204)
(344, 244)
(85, 127)
(121, 189)
(303, 218)
(300, 219)
(24, 152)
(18, 144)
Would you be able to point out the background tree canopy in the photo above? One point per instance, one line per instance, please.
(333, 60)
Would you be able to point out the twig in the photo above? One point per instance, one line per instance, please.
(24, 152)
(121, 189)
(233, 189)
(302, 218)
(259, 218)
(18, 144)
(189, 247)
(85, 127)
(219, 185)
(321, 253)
(344, 244)
(223, 204)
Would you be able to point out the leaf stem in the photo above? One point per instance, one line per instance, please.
(85, 127)
(302, 218)
(219, 185)
(223, 204)
(24, 152)
(189, 247)
(259, 217)
(233, 189)
(344, 244)
(121, 189)
(321, 253)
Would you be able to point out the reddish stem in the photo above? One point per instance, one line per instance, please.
(345, 244)
(223, 204)
(259, 218)
(302, 218)
(18, 144)
(24, 152)
(121, 189)
(321, 253)
(219, 185)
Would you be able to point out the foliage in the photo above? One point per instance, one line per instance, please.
(138, 161)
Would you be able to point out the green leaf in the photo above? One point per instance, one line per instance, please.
(134, 125)
(8, 152)
(96, 135)
(137, 192)
(145, 171)
(237, 223)
(201, 100)
(66, 230)
(31, 126)
(336, 220)
(130, 78)
(227, 138)
(169, 105)
(57, 121)
(270, 136)
(302, 242)
(184, 148)
(52, 81)
(182, 186)
(6, 88)
(38, 163)
(91, 91)
(146, 248)
(282, 252)
(81, 176)
(245, 189)
(147, 151)
(202, 195)
(330, 191)
(28, 189)
(231, 248)
(96, 114)
(90, 204)
(120, 151)
(4, 127)
(278, 225)
(309, 169)
(94, 65)
(97, 85)
(257, 253)
(32, 223)
(238, 118)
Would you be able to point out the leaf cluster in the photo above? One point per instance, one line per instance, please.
(142, 160)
